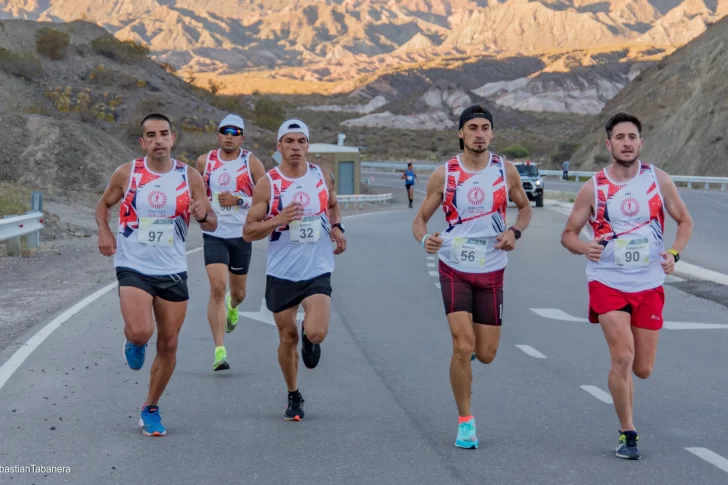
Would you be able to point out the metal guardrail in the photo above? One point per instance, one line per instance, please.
(359, 199)
(28, 225)
(578, 175)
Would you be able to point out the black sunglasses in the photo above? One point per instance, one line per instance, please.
(230, 131)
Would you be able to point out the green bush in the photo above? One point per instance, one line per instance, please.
(23, 65)
(268, 113)
(515, 151)
(13, 200)
(126, 51)
(52, 43)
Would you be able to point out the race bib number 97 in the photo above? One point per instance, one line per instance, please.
(307, 230)
(632, 254)
(156, 231)
(468, 253)
(221, 209)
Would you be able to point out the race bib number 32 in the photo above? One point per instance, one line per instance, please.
(156, 231)
(307, 230)
(468, 253)
(632, 254)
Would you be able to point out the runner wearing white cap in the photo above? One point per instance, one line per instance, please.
(230, 173)
(295, 204)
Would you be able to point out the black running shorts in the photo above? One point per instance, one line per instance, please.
(282, 294)
(480, 294)
(169, 287)
(234, 253)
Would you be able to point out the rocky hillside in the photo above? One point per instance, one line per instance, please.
(72, 98)
(683, 104)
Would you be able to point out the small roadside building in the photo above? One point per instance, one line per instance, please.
(343, 161)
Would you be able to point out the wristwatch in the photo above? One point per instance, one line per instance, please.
(674, 253)
(516, 232)
(240, 200)
(339, 225)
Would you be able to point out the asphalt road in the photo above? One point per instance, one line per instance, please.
(379, 408)
(707, 208)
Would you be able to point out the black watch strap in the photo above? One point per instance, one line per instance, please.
(338, 224)
(516, 232)
(203, 220)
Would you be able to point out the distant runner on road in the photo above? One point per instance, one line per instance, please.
(473, 190)
(625, 206)
(410, 177)
(158, 196)
(230, 173)
(295, 204)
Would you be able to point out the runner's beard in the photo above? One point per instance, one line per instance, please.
(478, 150)
(626, 162)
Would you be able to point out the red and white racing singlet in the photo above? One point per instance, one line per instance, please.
(475, 210)
(154, 219)
(234, 177)
(632, 216)
(301, 250)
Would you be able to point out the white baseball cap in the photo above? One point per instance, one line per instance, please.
(232, 120)
(293, 126)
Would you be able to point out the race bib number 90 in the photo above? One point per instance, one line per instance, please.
(221, 209)
(156, 231)
(307, 230)
(468, 253)
(632, 254)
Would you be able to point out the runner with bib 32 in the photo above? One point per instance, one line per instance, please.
(473, 190)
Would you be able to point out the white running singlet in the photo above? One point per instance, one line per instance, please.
(632, 216)
(154, 219)
(234, 177)
(301, 250)
(475, 210)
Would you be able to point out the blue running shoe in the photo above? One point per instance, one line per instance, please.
(466, 435)
(627, 448)
(151, 421)
(134, 355)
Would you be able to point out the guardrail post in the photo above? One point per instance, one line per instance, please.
(13, 246)
(722, 187)
(707, 186)
(36, 201)
(690, 185)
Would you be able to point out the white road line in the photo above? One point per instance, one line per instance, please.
(557, 314)
(710, 457)
(671, 278)
(8, 368)
(430, 265)
(430, 258)
(531, 351)
(437, 285)
(433, 273)
(599, 394)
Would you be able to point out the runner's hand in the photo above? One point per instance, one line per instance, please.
(668, 265)
(197, 211)
(107, 243)
(506, 240)
(593, 250)
(226, 199)
(433, 243)
(292, 212)
(338, 237)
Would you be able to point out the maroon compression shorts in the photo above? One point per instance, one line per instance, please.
(480, 294)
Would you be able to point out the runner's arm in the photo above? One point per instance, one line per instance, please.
(199, 195)
(256, 227)
(111, 196)
(519, 197)
(257, 172)
(433, 199)
(677, 210)
(200, 164)
(334, 207)
(578, 218)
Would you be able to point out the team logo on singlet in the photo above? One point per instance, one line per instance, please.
(157, 199)
(630, 207)
(476, 196)
(224, 179)
(302, 198)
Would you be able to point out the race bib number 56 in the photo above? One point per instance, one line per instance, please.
(468, 253)
(307, 230)
(632, 254)
(156, 231)
(221, 209)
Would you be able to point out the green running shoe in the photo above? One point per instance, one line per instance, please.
(232, 316)
(221, 362)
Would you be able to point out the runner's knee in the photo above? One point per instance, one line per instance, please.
(288, 336)
(139, 334)
(217, 290)
(487, 356)
(316, 335)
(622, 361)
(463, 346)
(237, 294)
(167, 346)
(642, 371)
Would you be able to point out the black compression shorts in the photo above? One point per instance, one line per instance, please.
(235, 253)
(480, 294)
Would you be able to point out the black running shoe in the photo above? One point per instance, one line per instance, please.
(310, 352)
(294, 412)
(628, 445)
